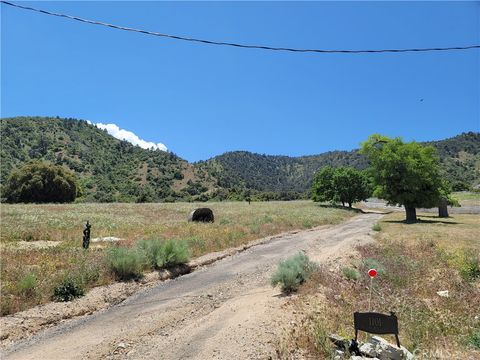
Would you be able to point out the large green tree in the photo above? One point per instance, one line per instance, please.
(322, 187)
(350, 185)
(344, 184)
(404, 173)
(40, 182)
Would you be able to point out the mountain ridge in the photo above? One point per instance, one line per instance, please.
(110, 169)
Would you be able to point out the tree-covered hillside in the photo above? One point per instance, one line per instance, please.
(460, 159)
(107, 169)
(459, 156)
(274, 173)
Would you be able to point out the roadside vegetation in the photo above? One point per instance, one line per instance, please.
(415, 262)
(41, 244)
(293, 272)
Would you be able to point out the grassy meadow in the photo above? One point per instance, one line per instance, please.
(467, 198)
(415, 262)
(41, 244)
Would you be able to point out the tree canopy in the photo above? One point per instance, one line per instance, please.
(344, 184)
(40, 182)
(404, 173)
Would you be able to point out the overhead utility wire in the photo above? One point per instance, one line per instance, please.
(210, 42)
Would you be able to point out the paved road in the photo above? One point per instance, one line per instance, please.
(226, 310)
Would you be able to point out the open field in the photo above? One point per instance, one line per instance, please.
(414, 262)
(41, 244)
(227, 310)
(467, 198)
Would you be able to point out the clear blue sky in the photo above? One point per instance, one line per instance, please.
(204, 100)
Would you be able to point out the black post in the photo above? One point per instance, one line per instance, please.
(86, 235)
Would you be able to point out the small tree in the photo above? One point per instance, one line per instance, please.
(404, 173)
(40, 182)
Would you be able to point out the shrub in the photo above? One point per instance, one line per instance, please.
(307, 224)
(371, 263)
(350, 273)
(151, 249)
(172, 252)
(377, 227)
(41, 182)
(69, 289)
(126, 263)
(27, 284)
(292, 272)
(474, 339)
(470, 267)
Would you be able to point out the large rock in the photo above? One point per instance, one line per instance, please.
(380, 348)
(201, 215)
(375, 348)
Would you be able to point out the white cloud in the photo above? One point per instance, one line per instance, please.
(129, 136)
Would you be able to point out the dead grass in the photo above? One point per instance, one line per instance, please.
(235, 224)
(418, 260)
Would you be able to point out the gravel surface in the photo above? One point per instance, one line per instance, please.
(223, 311)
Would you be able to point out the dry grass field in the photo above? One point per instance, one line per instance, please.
(467, 198)
(414, 262)
(41, 244)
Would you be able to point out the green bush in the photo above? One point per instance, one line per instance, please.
(474, 339)
(171, 253)
(377, 227)
(41, 182)
(151, 249)
(292, 272)
(350, 273)
(27, 284)
(126, 263)
(69, 289)
(470, 267)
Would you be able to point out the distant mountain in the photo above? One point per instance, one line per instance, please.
(459, 156)
(109, 169)
(275, 173)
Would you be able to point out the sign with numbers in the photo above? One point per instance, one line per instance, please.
(376, 323)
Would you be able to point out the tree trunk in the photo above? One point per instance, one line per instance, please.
(443, 209)
(411, 214)
(343, 203)
(350, 205)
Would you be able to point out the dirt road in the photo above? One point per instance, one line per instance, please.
(225, 311)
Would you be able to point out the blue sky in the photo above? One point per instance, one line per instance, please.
(201, 101)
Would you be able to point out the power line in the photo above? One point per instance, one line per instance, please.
(246, 46)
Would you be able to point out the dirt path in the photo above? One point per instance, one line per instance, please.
(223, 311)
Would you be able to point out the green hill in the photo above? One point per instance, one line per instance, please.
(109, 169)
(274, 173)
(459, 156)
